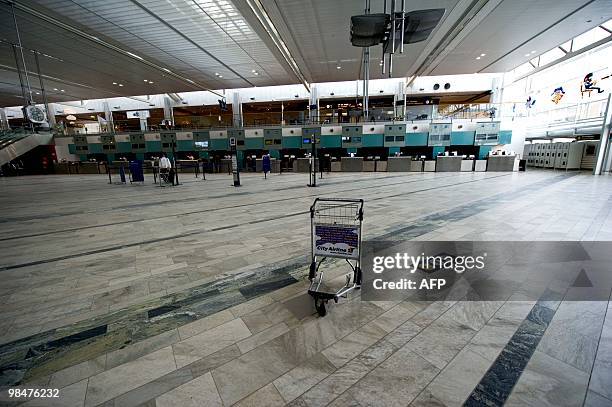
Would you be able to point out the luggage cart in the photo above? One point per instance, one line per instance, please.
(336, 226)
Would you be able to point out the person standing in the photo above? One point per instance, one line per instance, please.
(164, 168)
(266, 164)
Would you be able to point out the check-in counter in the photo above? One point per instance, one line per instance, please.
(467, 165)
(89, 167)
(448, 163)
(336, 166)
(480, 165)
(303, 165)
(352, 164)
(369, 165)
(501, 163)
(399, 164)
(429, 166)
(416, 166)
(187, 166)
(381, 166)
(225, 165)
(274, 165)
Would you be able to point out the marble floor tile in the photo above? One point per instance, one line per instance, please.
(114, 382)
(266, 396)
(549, 382)
(70, 396)
(397, 381)
(298, 380)
(208, 342)
(455, 383)
(200, 391)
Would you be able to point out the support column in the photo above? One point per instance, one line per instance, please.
(168, 111)
(400, 96)
(236, 110)
(313, 102)
(604, 140)
(108, 116)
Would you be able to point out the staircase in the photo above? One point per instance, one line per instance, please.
(13, 144)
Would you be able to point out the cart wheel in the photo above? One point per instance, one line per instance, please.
(320, 307)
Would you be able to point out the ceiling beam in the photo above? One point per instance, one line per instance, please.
(261, 16)
(35, 13)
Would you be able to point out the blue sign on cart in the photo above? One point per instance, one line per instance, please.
(336, 241)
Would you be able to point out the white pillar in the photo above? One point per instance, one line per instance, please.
(604, 140)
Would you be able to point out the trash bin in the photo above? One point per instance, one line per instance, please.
(522, 165)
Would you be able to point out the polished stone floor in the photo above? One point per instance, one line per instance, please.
(195, 295)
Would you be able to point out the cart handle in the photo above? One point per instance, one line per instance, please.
(359, 201)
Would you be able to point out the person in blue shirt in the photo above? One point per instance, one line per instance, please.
(266, 164)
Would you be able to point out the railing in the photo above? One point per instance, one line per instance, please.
(584, 116)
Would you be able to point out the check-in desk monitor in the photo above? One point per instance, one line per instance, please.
(439, 135)
(487, 134)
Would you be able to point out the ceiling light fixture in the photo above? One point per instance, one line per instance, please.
(55, 89)
(62, 90)
(477, 57)
(338, 67)
(114, 83)
(151, 82)
(120, 84)
(482, 55)
(527, 55)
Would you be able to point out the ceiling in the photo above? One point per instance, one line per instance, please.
(184, 45)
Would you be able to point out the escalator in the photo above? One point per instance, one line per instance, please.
(14, 144)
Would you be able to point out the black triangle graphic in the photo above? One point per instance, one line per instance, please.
(582, 280)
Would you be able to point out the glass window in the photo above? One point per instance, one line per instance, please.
(551, 56)
(589, 37)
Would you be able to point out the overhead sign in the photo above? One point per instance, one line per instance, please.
(138, 114)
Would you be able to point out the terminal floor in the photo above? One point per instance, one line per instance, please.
(125, 295)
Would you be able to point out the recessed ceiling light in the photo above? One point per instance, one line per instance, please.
(527, 55)
(220, 76)
(533, 52)
(151, 82)
(145, 80)
(338, 67)
(114, 83)
(62, 90)
(38, 93)
(55, 89)
(216, 73)
(120, 84)
(254, 71)
(477, 57)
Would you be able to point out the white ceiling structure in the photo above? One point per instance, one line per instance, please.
(89, 48)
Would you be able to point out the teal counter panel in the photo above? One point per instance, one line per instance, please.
(203, 154)
(292, 142)
(254, 143)
(184, 145)
(505, 136)
(274, 154)
(462, 138)
(72, 148)
(151, 146)
(393, 150)
(123, 147)
(484, 150)
(219, 144)
(416, 139)
(437, 150)
(329, 141)
(140, 156)
(95, 148)
(372, 140)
